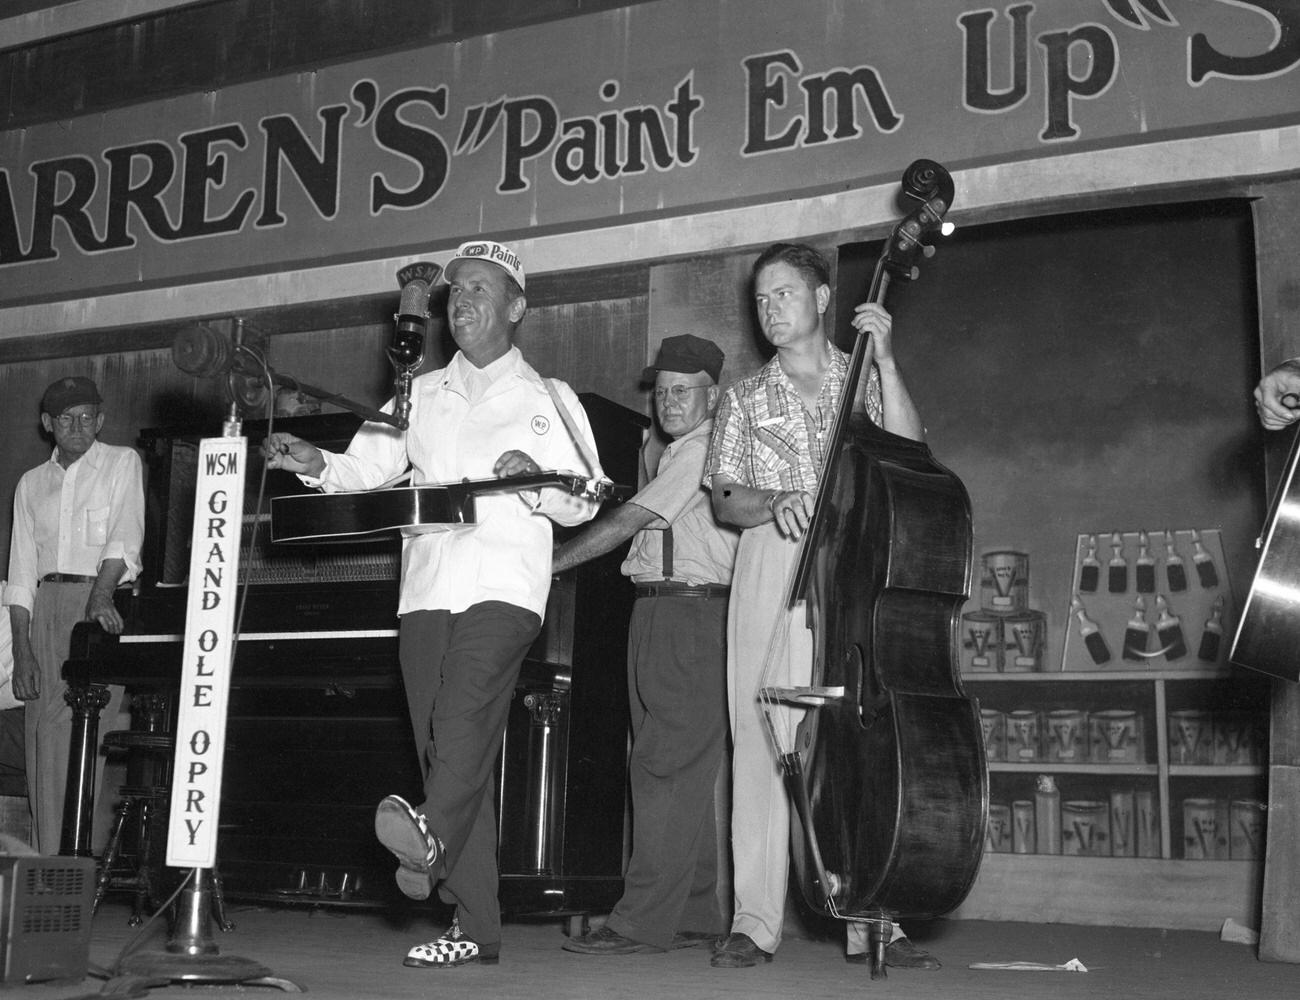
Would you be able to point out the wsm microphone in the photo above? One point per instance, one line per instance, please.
(201, 351)
(205, 352)
(407, 351)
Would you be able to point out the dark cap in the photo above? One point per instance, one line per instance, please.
(67, 393)
(686, 354)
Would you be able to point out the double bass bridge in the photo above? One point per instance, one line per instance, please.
(808, 697)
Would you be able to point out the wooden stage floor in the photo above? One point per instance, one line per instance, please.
(357, 955)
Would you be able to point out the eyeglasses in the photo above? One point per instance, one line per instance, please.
(678, 392)
(66, 420)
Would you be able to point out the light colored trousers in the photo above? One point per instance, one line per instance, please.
(48, 719)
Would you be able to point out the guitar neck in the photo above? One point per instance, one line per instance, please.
(342, 516)
(576, 485)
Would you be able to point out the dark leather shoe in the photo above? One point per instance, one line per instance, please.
(738, 951)
(606, 941)
(902, 954)
(406, 833)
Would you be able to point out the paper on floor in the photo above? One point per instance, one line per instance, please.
(1073, 965)
(1236, 933)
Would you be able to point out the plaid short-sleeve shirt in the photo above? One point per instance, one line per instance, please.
(764, 437)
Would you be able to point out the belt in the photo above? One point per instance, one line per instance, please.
(703, 590)
(67, 578)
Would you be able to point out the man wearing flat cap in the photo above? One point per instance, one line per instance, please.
(77, 531)
(472, 596)
(680, 560)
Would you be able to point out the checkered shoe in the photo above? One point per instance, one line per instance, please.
(406, 833)
(451, 950)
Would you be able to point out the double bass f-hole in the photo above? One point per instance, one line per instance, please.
(862, 686)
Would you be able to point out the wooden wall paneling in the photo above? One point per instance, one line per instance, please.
(349, 361)
(596, 347)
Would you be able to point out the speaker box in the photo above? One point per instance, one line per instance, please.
(45, 918)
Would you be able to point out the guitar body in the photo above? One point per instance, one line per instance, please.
(1268, 635)
(321, 517)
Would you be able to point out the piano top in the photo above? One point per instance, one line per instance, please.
(279, 609)
(346, 632)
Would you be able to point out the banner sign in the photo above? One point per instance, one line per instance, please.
(207, 654)
(651, 111)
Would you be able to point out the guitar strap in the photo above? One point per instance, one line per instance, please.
(575, 435)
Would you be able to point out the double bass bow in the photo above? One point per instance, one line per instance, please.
(886, 771)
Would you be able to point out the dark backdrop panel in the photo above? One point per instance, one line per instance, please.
(1089, 372)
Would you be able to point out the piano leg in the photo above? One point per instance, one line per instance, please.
(79, 799)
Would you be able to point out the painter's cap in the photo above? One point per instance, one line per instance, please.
(67, 393)
(491, 252)
(686, 353)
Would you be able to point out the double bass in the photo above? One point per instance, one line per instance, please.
(887, 772)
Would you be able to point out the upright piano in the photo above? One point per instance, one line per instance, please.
(318, 730)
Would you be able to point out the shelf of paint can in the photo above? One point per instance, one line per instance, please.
(1212, 770)
(1057, 767)
(1109, 676)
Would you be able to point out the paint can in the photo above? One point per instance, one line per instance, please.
(1024, 736)
(997, 835)
(981, 642)
(1115, 736)
(1004, 581)
(994, 726)
(1066, 736)
(1205, 829)
(1246, 837)
(1025, 634)
(1191, 737)
(1085, 828)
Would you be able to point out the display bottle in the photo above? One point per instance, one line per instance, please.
(1047, 815)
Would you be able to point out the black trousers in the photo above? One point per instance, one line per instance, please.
(460, 672)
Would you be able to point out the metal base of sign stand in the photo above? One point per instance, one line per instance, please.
(192, 957)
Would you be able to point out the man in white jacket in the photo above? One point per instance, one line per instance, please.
(472, 596)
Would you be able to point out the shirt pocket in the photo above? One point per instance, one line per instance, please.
(776, 448)
(97, 526)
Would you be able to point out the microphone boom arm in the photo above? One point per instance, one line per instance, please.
(325, 396)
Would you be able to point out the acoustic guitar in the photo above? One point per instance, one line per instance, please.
(347, 516)
(1268, 635)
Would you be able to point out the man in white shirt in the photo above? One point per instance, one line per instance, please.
(472, 596)
(680, 560)
(77, 532)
